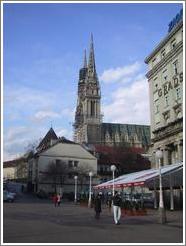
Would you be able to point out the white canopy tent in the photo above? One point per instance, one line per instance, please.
(172, 177)
(148, 178)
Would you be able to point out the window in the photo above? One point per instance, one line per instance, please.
(157, 109)
(166, 101)
(155, 84)
(92, 108)
(107, 137)
(173, 43)
(175, 67)
(154, 61)
(58, 162)
(157, 119)
(164, 74)
(166, 116)
(76, 163)
(178, 93)
(163, 53)
(70, 163)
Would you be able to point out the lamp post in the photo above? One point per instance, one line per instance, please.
(113, 168)
(159, 156)
(75, 193)
(90, 189)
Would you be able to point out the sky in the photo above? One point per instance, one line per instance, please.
(43, 46)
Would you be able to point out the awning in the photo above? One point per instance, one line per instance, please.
(149, 178)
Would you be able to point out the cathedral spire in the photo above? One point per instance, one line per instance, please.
(91, 64)
(85, 60)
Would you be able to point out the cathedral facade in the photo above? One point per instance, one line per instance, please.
(88, 126)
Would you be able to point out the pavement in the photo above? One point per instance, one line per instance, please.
(34, 220)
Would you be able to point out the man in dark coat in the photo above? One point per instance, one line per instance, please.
(117, 201)
(97, 206)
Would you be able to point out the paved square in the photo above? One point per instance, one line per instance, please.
(31, 220)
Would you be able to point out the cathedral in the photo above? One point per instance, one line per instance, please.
(88, 127)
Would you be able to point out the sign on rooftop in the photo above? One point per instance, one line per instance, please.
(176, 20)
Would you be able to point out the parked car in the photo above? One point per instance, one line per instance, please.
(8, 196)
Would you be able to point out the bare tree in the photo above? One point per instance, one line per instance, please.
(83, 172)
(31, 147)
(57, 172)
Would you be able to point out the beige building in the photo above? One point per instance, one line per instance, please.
(16, 169)
(9, 170)
(76, 160)
(165, 78)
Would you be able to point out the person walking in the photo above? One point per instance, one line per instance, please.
(55, 199)
(97, 206)
(117, 207)
(109, 201)
(58, 200)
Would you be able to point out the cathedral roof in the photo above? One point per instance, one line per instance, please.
(142, 131)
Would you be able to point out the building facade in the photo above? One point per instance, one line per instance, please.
(165, 78)
(16, 170)
(55, 164)
(88, 126)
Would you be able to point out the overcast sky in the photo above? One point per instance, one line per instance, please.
(43, 52)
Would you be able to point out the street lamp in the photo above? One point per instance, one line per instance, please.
(90, 187)
(113, 168)
(159, 156)
(75, 193)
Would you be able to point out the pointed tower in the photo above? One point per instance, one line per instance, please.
(88, 116)
(91, 64)
(85, 60)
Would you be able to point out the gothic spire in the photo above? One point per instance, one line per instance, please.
(91, 64)
(85, 60)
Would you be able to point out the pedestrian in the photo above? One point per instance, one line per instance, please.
(97, 206)
(109, 201)
(117, 207)
(58, 200)
(55, 199)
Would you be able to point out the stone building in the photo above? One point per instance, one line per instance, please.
(89, 127)
(165, 78)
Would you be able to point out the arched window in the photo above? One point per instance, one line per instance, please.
(92, 108)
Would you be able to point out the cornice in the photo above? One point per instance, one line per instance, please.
(165, 60)
(164, 41)
(171, 129)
